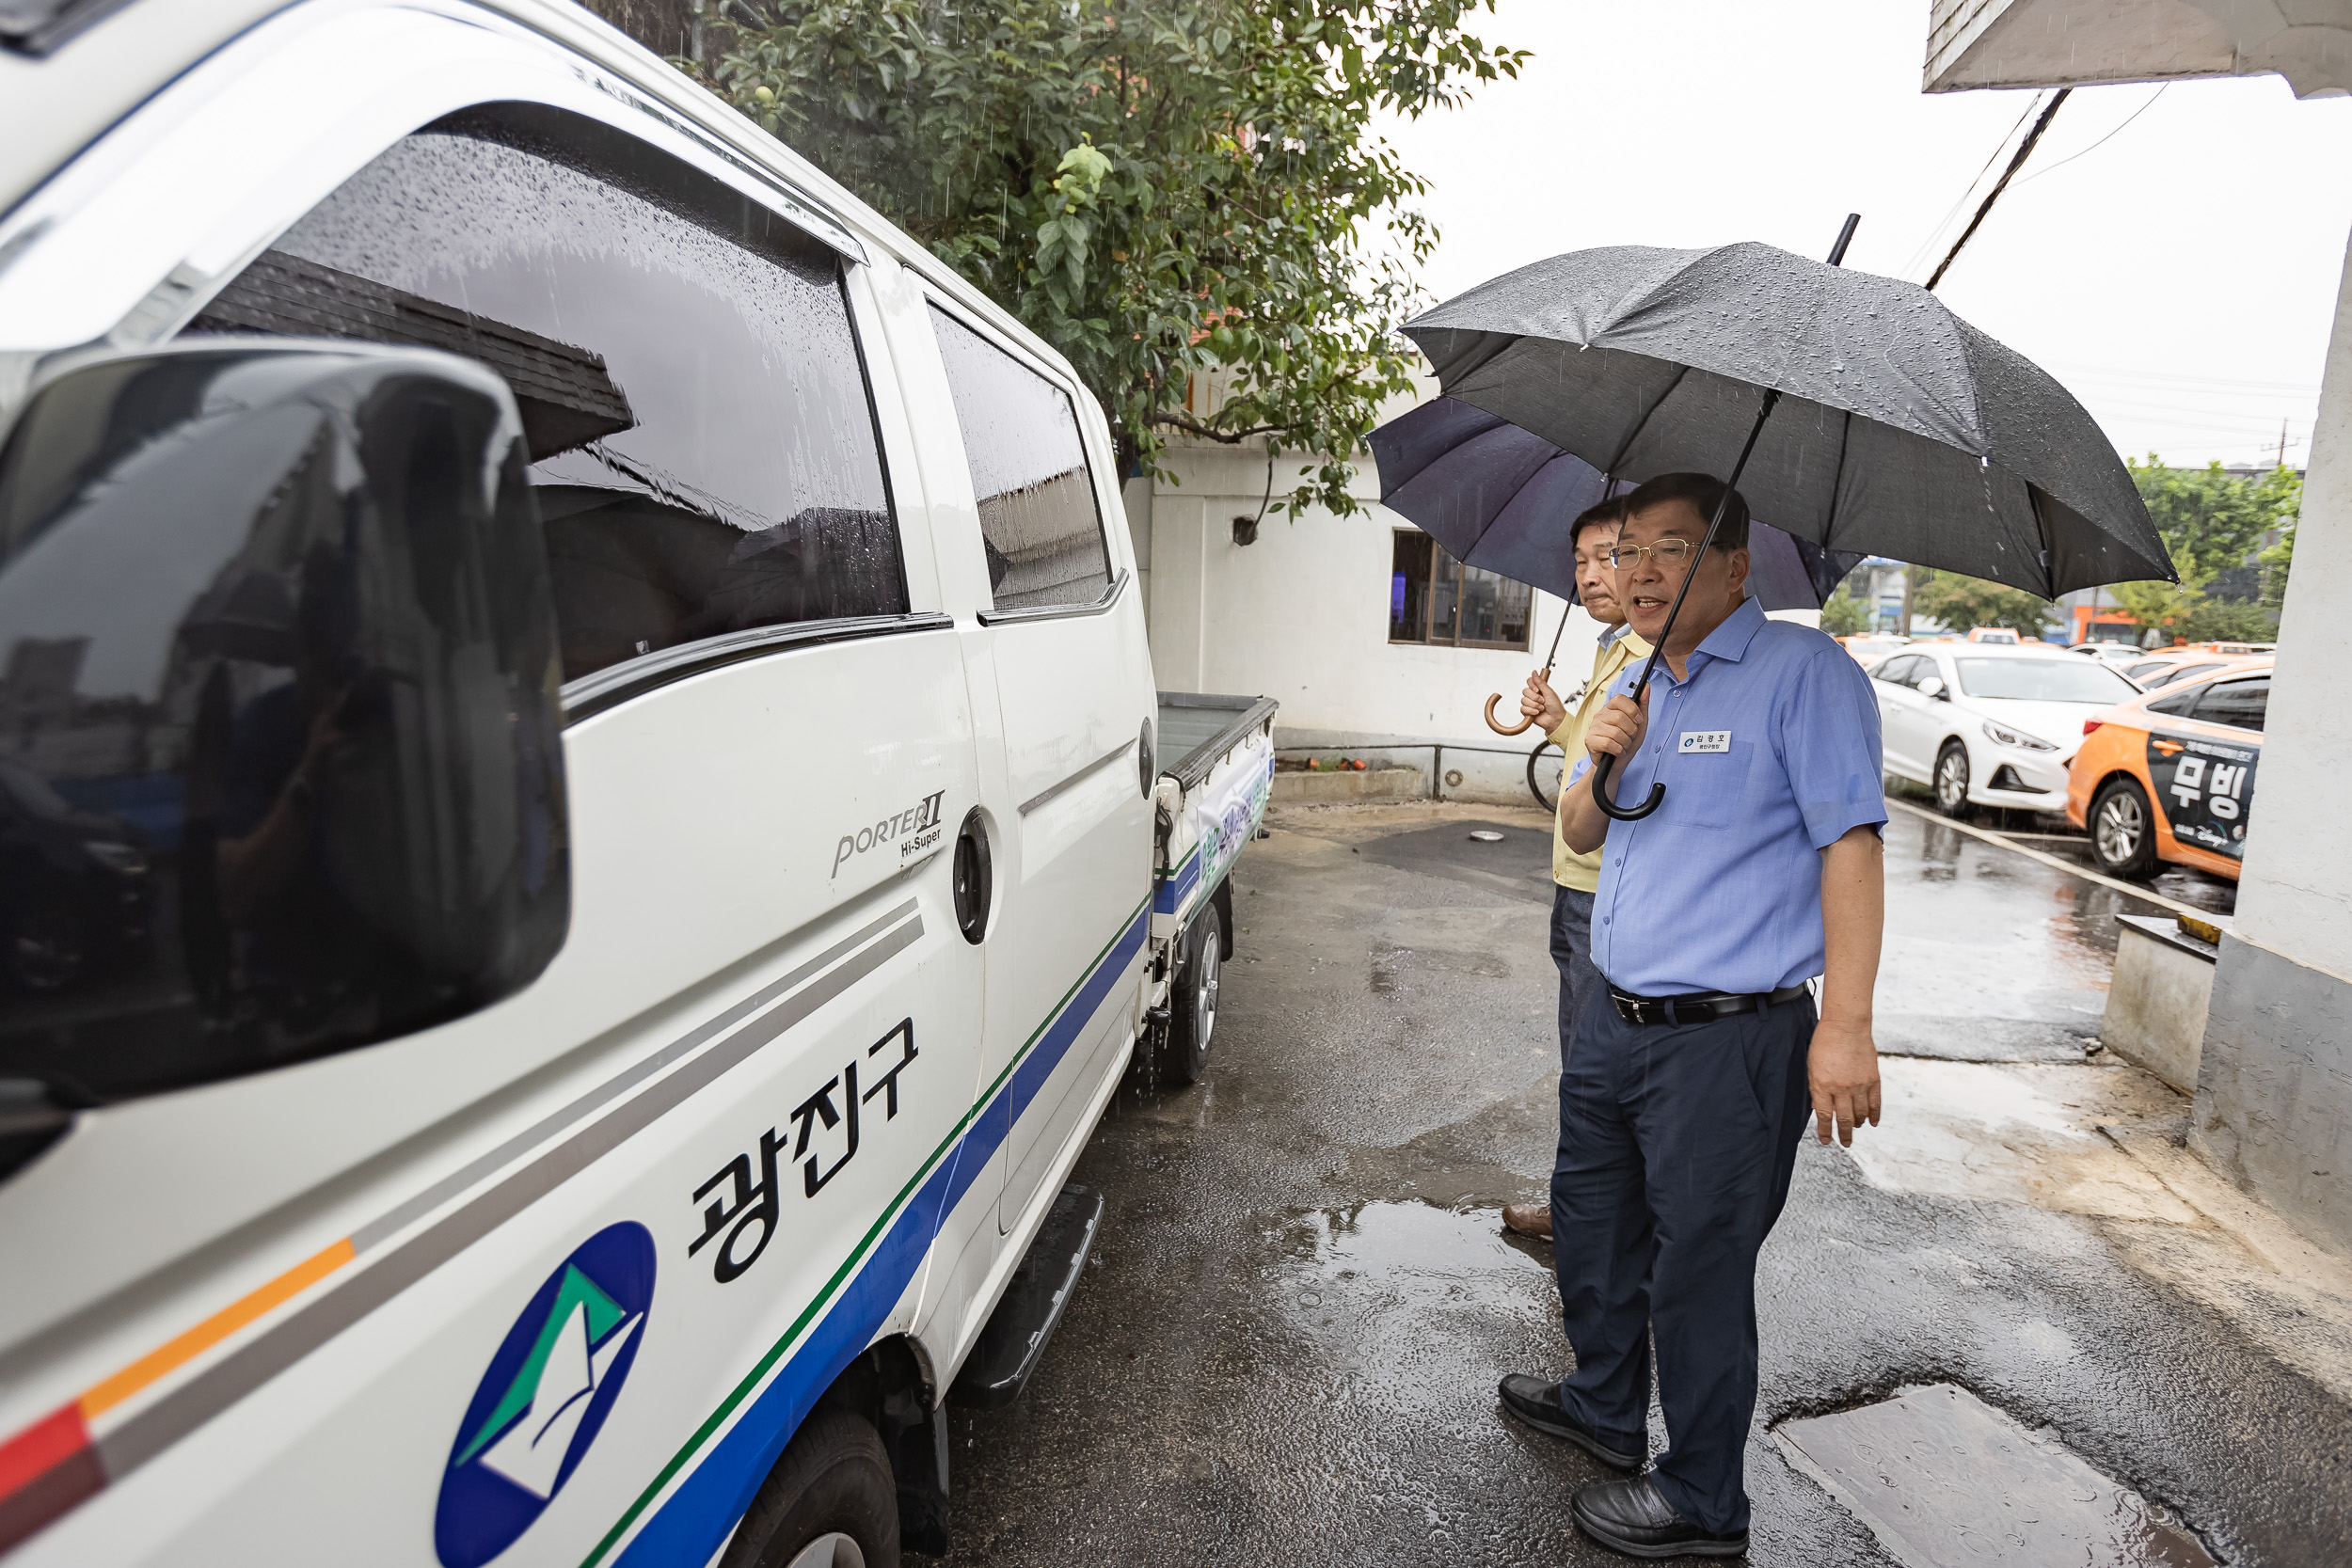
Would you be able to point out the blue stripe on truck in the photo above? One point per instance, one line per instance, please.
(691, 1523)
(1177, 885)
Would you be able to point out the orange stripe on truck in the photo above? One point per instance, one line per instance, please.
(213, 1330)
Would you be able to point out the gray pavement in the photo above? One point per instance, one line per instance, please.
(1286, 1345)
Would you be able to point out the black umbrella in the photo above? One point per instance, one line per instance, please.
(1502, 498)
(1900, 430)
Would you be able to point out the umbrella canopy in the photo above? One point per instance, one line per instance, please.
(1900, 430)
(1502, 498)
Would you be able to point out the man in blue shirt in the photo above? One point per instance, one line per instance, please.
(1687, 1088)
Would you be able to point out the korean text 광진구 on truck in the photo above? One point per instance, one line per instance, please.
(585, 831)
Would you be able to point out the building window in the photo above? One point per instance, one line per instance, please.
(1435, 598)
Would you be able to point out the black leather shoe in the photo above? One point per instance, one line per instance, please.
(1537, 1402)
(1629, 1516)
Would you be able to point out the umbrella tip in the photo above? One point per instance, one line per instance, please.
(1845, 238)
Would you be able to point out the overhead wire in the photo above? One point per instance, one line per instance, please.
(1935, 236)
(2024, 150)
(2101, 142)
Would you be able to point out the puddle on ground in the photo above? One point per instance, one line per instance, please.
(2019, 1132)
(1380, 1274)
(1517, 862)
(1945, 1481)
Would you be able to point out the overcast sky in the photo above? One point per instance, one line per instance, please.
(2179, 278)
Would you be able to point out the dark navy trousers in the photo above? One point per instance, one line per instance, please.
(1572, 955)
(1677, 1144)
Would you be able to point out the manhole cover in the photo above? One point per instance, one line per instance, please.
(1945, 1481)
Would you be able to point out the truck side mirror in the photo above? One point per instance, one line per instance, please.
(281, 750)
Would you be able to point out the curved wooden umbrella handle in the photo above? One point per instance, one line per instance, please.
(1503, 729)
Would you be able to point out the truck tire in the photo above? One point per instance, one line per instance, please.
(1192, 1013)
(830, 1502)
(2122, 830)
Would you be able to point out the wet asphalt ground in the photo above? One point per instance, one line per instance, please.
(1286, 1344)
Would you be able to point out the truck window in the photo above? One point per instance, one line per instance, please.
(702, 436)
(1039, 520)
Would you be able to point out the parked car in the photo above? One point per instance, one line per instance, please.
(2174, 665)
(1988, 725)
(1870, 647)
(663, 837)
(2190, 749)
(2113, 653)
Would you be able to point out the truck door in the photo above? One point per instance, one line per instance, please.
(701, 1153)
(1073, 691)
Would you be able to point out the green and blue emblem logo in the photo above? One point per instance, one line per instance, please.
(546, 1396)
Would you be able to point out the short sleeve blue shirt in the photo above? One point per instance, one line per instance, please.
(1769, 754)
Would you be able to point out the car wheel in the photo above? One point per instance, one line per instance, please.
(1192, 1018)
(830, 1502)
(1951, 779)
(2124, 830)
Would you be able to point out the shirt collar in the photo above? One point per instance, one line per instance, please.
(1730, 640)
(1623, 633)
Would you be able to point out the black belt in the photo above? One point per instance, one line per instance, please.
(1698, 1007)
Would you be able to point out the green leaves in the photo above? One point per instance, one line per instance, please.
(1163, 189)
(2213, 520)
(1961, 603)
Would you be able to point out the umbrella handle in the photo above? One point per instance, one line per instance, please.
(1499, 728)
(1549, 660)
(1602, 767)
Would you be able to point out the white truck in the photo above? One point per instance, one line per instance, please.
(585, 831)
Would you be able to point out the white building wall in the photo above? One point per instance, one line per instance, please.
(2274, 1087)
(2296, 895)
(1302, 615)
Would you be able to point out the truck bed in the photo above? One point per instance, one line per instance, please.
(1198, 728)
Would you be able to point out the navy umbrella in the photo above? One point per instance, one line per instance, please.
(1501, 497)
(1900, 430)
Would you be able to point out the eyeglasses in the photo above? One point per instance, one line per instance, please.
(1666, 552)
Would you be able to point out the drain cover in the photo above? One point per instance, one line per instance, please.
(1945, 1481)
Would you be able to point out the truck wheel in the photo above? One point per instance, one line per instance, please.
(2124, 830)
(830, 1502)
(1192, 1017)
(1951, 779)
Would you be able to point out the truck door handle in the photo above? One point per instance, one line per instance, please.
(973, 876)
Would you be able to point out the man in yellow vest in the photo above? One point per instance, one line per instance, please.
(1592, 535)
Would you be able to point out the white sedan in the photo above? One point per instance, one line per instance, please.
(1987, 725)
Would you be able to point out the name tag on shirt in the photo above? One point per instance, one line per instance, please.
(1701, 741)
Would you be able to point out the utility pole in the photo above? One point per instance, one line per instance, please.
(2282, 443)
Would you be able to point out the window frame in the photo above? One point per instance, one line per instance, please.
(2213, 688)
(604, 688)
(1438, 553)
(953, 309)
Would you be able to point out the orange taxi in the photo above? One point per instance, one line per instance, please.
(2170, 775)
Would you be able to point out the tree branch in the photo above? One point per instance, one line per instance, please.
(1193, 426)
